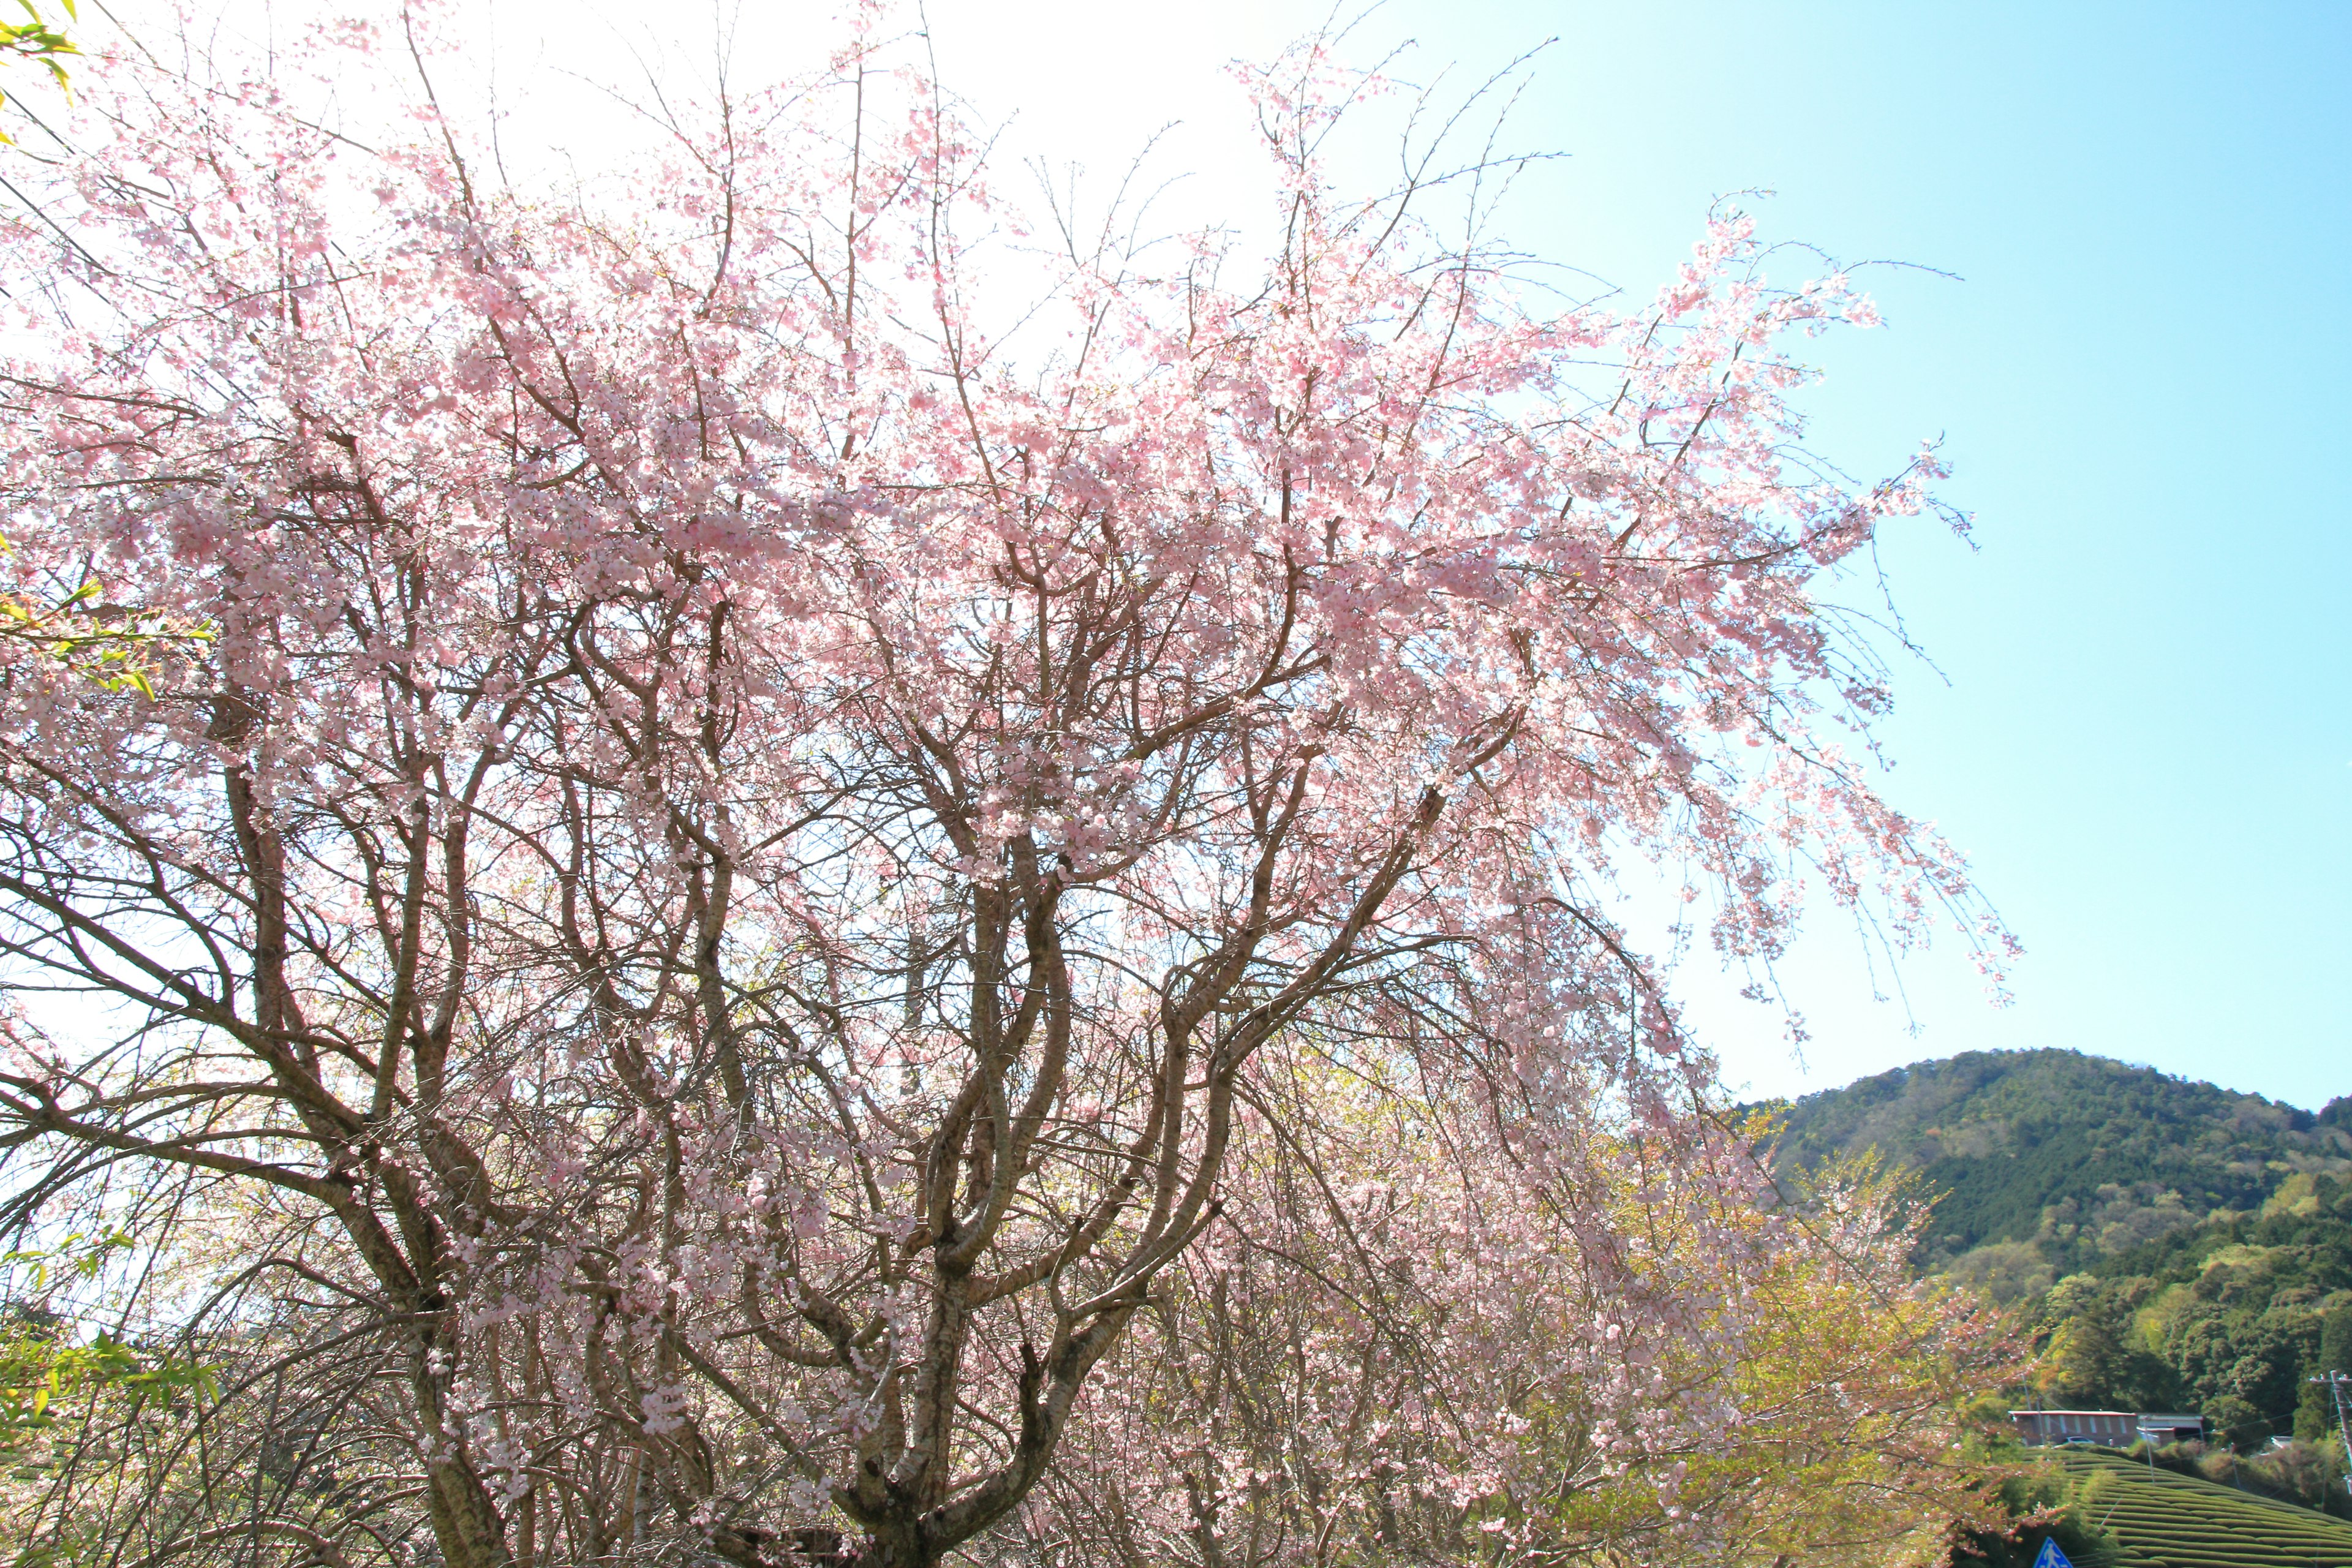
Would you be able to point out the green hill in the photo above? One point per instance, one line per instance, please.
(2232, 1317)
(2168, 1245)
(2157, 1518)
(2056, 1159)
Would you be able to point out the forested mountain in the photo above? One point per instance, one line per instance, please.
(2055, 1160)
(2167, 1244)
(2244, 1307)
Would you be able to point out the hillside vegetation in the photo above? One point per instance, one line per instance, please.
(2166, 1245)
(2232, 1317)
(2157, 1518)
(2056, 1159)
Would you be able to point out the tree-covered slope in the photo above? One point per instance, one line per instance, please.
(2065, 1158)
(2166, 1245)
(2233, 1318)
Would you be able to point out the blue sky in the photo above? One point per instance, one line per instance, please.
(2146, 742)
(2137, 723)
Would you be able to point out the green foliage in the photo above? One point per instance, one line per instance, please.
(2166, 1245)
(2315, 1420)
(2092, 1355)
(38, 1374)
(2335, 1340)
(2308, 1474)
(2156, 1516)
(35, 40)
(2043, 1503)
(114, 646)
(2231, 1318)
(2078, 1157)
(2236, 1422)
(41, 1367)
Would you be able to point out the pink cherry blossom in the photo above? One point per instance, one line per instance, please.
(746, 872)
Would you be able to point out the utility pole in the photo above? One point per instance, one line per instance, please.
(2337, 1383)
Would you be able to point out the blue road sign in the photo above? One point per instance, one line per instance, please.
(2052, 1557)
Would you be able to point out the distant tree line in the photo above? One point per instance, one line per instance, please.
(2078, 1157)
(2233, 1318)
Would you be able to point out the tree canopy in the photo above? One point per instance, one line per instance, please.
(2079, 1157)
(758, 907)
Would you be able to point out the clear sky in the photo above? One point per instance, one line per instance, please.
(2138, 721)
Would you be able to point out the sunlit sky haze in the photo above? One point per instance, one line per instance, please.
(2126, 318)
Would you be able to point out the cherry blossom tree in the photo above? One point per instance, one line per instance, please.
(1421, 1337)
(698, 902)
